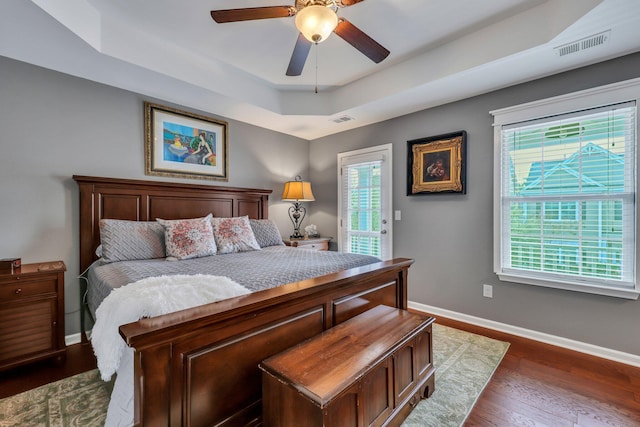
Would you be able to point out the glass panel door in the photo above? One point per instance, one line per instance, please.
(365, 202)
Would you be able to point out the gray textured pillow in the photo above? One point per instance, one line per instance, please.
(266, 232)
(130, 240)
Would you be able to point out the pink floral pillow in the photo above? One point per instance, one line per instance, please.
(234, 235)
(188, 238)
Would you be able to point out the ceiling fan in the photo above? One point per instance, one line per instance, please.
(315, 19)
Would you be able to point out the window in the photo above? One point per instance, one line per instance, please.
(565, 212)
(560, 211)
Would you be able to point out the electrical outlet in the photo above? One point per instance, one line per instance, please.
(487, 291)
(398, 215)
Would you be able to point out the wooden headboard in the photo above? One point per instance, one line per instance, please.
(136, 200)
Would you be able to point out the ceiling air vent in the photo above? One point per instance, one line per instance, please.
(586, 43)
(342, 119)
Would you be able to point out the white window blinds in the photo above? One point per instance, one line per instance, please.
(567, 197)
(362, 204)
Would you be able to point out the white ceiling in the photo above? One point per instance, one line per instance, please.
(441, 51)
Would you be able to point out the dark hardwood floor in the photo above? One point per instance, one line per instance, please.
(535, 385)
(542, 385)
(79, 359)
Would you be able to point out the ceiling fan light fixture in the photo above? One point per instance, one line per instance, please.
(316, 22)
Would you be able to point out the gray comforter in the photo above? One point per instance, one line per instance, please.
(256, 270)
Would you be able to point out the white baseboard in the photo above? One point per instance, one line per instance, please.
(594, 350)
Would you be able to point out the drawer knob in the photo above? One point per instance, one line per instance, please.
(19, 290)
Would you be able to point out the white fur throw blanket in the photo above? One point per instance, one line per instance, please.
(150, 297)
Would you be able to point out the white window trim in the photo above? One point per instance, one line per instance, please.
(625, 91)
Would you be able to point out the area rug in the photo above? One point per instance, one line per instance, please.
(80, 401)
(464, 364)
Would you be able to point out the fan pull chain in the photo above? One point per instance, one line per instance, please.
(316, 49)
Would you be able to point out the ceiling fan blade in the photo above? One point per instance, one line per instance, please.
(345, 3)
(251, 13)
(299, 56)
(365, 44)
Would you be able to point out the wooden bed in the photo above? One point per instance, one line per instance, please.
(199, 367)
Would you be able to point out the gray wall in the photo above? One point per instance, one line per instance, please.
(53, 126)
(451, 236)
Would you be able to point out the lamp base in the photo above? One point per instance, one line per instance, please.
(297, 212)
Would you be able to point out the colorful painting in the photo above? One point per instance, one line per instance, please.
(181, 144)
(436, 164)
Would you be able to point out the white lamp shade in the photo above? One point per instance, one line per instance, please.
(316, 22)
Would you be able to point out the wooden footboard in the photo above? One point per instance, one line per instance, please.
(199, 367)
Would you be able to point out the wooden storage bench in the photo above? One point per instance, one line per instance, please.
(371, 370)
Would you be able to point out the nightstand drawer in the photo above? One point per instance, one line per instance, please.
(24, 288)
(314, 244)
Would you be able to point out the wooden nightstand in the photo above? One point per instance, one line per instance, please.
(315, 244)
(32, 314)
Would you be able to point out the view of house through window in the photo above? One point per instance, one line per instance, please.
(568, 197)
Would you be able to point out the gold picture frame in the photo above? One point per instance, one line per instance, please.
(437, 164)
(180, 144)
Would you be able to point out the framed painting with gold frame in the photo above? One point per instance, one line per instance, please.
(436, 164)
(184, 145)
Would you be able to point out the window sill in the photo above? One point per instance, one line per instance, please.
(626, 293)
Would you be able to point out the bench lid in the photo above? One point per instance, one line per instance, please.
(325, 365)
